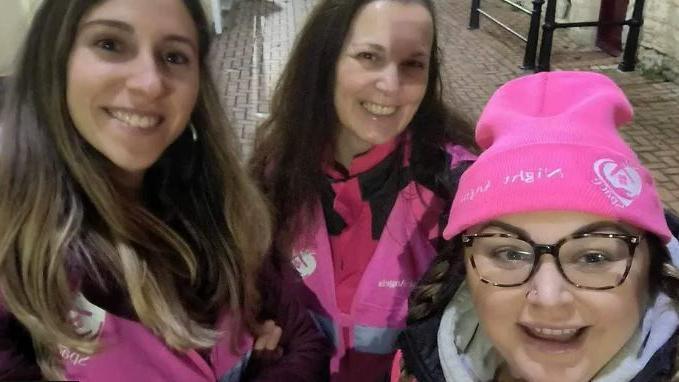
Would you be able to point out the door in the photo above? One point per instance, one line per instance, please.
(609, 38)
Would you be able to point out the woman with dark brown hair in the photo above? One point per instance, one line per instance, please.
(131, 241)
(359, 158)
(562, 264)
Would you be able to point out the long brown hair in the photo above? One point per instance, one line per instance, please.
(303, 123)
(191, 247)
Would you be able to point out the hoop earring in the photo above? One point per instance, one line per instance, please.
(194, 132)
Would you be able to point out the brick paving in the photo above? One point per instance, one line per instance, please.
(249, 55)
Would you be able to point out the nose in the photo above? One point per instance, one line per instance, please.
(388, 81)
(548, 288)
(146, 78)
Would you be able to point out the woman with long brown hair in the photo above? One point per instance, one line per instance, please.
(131, 241)
(359, 158)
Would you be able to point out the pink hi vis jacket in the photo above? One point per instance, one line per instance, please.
(380, 303)
(130, 350)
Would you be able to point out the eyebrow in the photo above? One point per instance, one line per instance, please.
(109, 23)
(506, 227)
(598, 226)
(381, 49)
(589, 228)
(125, 27)
(374, 46)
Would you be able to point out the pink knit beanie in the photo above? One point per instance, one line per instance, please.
(550, 143)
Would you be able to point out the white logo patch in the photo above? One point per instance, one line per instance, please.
(304, 262)
(87, 318)
(620, 183)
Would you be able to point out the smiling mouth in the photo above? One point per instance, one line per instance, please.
(553, 340)
(136, 120)
(377, 109)
(548, 334)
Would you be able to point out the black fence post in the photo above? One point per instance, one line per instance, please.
(533, 35)
(547, 37)
(629, 57)
(474, 14)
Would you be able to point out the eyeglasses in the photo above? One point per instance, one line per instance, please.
(596, 261)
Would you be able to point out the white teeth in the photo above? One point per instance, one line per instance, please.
(379, 109)
(135, 120)
(553, 333)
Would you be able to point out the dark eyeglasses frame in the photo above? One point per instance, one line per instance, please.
(553, 249)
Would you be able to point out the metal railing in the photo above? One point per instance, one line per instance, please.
(550, 25)
(631, 45)
(533, 33)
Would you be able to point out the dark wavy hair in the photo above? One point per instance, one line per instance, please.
(303, 123)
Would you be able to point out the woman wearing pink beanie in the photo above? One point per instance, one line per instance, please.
(561, 264)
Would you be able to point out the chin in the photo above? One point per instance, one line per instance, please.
(540, 374)
(382, 137)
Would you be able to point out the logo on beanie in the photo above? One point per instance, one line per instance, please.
(620, 183)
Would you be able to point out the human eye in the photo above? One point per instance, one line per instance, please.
(176, 58)
(109, 44)
(593, 252)
(366, 56)
(415, 64)
(597, 258)
(593, 258)
(509, 254)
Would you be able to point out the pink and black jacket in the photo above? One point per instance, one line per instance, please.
(405, 224)
(131, 352)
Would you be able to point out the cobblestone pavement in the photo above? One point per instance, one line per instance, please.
(250, 53)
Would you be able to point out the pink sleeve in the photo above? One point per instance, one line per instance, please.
(459, 154)
(396, 368)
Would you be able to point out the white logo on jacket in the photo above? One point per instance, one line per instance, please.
(88, 320)
(304, 262)
(77, 359)
(621, 184)
(393, 284)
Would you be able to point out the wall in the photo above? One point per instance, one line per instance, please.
(659, 48)
(15, 16)
(576, 11)
(14, 20)
(659, 42)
